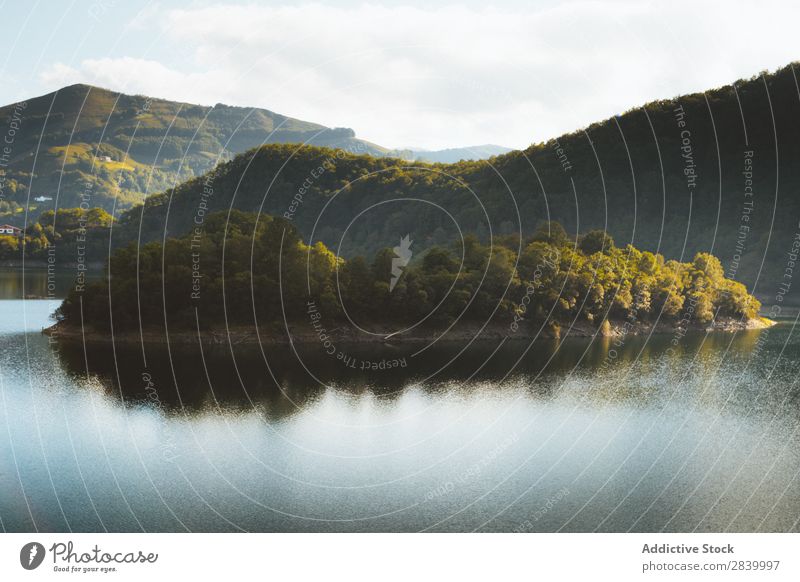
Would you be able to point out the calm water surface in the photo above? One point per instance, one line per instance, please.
(580, 436)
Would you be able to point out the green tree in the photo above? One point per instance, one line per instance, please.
(596, 241)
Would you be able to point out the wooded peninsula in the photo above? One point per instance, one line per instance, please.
(250, 270)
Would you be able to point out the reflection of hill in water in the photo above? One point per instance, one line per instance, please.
(281, 383)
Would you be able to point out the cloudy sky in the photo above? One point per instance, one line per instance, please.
(424, 74)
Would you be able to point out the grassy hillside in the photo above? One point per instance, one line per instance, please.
(715, 172)
(60, 142)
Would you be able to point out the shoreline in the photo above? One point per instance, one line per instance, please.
(247, 335)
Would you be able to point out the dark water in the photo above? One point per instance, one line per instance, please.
(577, 436)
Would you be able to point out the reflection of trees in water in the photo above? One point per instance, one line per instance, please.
(277, 384)
(33, 282)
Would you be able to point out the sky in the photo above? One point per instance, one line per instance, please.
(401, 74)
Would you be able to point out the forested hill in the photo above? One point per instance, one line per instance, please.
(253, 270)
(112, 149)
(715, 171)
(124, 146)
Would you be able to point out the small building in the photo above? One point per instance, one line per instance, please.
(105, 158)
(7, 229)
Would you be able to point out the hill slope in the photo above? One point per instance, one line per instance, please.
(126, 146)
(715, 171)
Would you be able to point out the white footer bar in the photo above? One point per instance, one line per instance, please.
(382, 557)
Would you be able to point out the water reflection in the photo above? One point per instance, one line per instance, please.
(37, 283)
(642, 435)
(281, 381)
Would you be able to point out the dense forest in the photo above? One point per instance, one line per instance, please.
(250, 269)
(710, 172)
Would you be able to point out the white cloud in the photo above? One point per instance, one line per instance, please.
(134, 75)
(449, 76)
(59, 75)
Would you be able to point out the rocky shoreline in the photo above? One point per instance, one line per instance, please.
(460, 333)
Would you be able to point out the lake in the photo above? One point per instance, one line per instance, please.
(699, 434)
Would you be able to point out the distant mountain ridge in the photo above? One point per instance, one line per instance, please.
(450, 155)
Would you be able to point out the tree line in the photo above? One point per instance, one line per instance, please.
(249, 269)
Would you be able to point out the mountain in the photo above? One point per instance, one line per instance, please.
(451, 155)
(86, 144)
(717, 171)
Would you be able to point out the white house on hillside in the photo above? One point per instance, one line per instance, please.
(7, 229)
